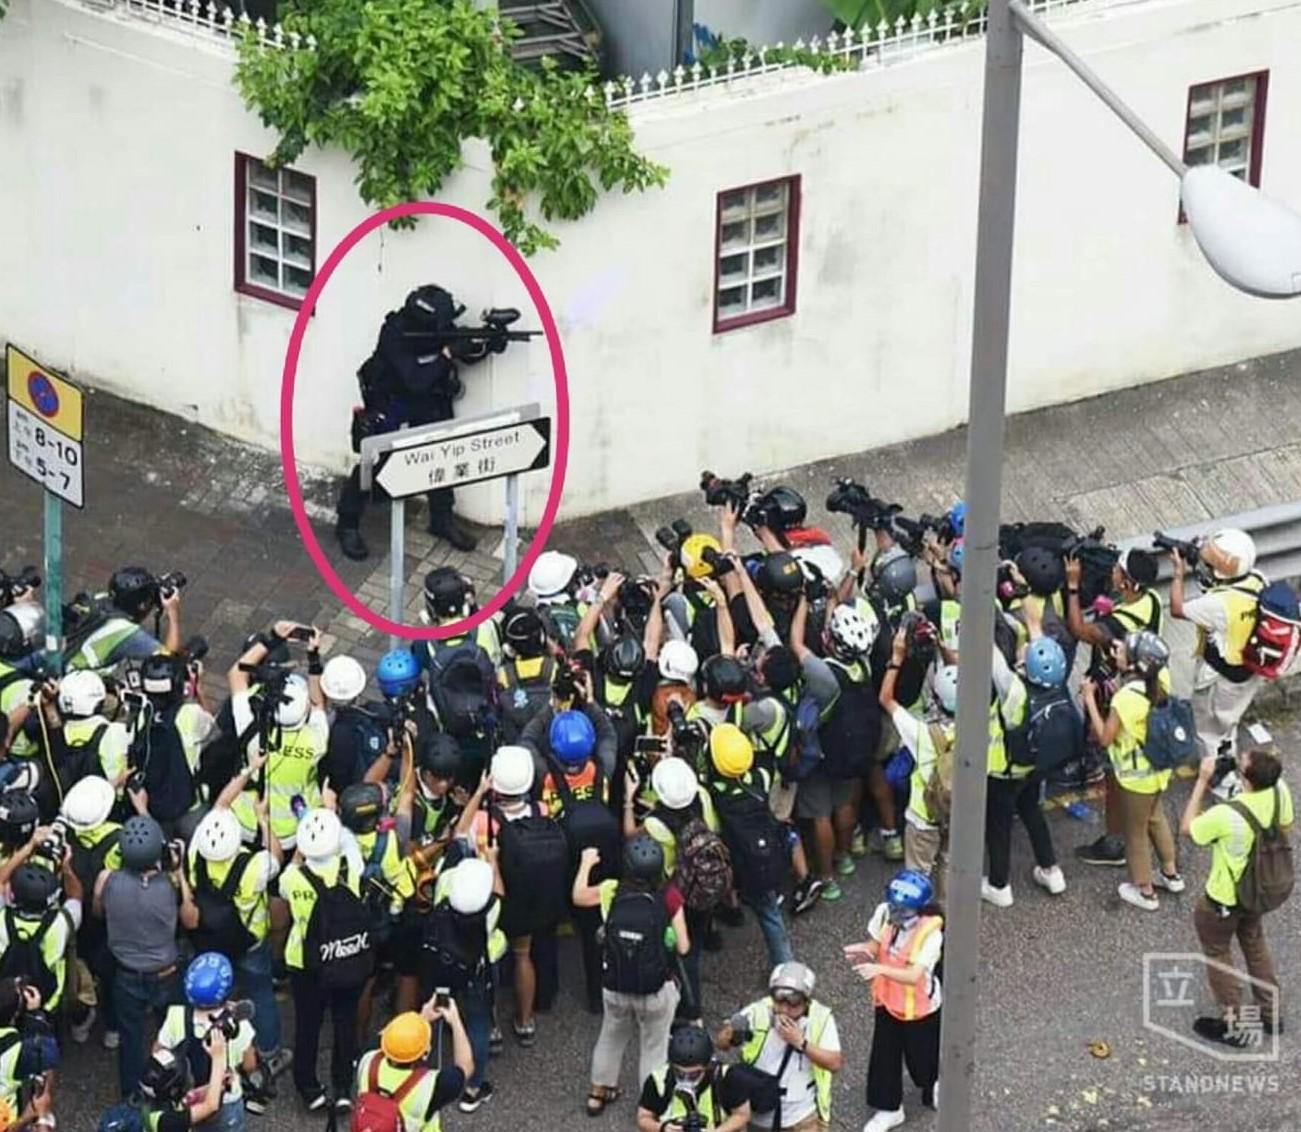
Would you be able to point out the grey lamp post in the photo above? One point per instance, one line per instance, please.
(1254, 244)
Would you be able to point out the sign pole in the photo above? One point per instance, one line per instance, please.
(54, 582)
(397, 564)
(510, 553)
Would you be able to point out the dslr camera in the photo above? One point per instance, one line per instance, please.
(849, 497)
(229, 1017)
(722, 493)
(171, 583)
(55, 846)
(676, 533)
(1225, 763)
(13, 584)
(920, 635)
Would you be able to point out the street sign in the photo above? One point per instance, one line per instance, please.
(456, 459)
(45, 420)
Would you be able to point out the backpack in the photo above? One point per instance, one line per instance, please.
(158, 753)
(81, 759)
(455, 947)
(804, 747)
(561, 621)
(938, 796)
(588, 823)
(704, 870)
(1267, 880)
(370, 738)
(1016, 740)
(1171, 734)
(379, 1111)
(852, 731)
(221, 927)
(522, 699)
(460, 686)
(1055, 730)
(23, 956)
(535, 869)
(1276, 635)
(337, 946)
(634, 957)
(88, 863)
(375, 890)
(754, 840)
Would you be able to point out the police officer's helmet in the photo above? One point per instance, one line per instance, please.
(134, 590)
(691, 1045)
(724, 679)
(35, 888)
(162, 676)
(18, 817)
(524, 633)
(643, 859)
(624, 658)
(440, 756)
(22, 628)
(445, 592)
(431, 308)
(361, 806)
(779, 573)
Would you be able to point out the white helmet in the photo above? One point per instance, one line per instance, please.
(827, 560)
(81, 693)
(471, 886)
(678, 661)
(319, 834)
(89, 802)
(945, 686)
(1237, 545)
(343, 679)
(551, 574)
(217, 837)
(674, 783)
(793, 976)
(512, 771)
(294, 705)
(852, 632)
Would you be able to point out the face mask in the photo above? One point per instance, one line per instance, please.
(902, 917)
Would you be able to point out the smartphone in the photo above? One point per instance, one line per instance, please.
(650, 744)
(301, 633)
(442, 997)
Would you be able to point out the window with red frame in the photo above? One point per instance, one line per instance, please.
(756, 252)
(1226, 125)
(275, 231)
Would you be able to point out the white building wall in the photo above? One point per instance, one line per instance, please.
(116, 216)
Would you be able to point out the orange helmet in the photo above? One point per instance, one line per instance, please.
(406, 1039)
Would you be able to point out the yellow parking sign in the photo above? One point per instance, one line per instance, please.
(44, 393)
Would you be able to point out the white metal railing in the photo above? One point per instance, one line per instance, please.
(203, 17)
(858, 49)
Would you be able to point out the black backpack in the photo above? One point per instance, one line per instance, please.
(851, 733)
(81, 759)
(88, 862)
(588, 824)
(454, 947)
(221, 927)
(754, 839)
(337, 948)
(23, 956)
(534, 861)
(635, 960)
(159, 754)
(522, 699)
(1054, 729)
(461, 686)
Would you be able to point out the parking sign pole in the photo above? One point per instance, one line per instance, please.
(54, 581)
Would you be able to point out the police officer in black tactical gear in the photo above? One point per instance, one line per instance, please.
(412, 379)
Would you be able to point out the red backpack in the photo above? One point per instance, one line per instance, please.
(380, 1111)
(1276, 635)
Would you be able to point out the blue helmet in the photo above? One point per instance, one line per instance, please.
(209, 979)
(909, 891)
(397, 673)
(1045, 663)
(573, 738)
(958, 516)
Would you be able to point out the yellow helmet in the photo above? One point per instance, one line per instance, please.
(730, 751)
(693, 555)
(406, 1039)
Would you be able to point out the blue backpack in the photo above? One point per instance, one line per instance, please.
(1171, 734)
(804, 749)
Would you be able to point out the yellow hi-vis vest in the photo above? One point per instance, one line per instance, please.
(712, 1114)
(760, 1016)
(1240, 599)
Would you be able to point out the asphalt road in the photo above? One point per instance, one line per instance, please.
(1059, 974)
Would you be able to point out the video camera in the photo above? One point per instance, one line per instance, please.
(911, 533)
(13, 584)
(849, 497)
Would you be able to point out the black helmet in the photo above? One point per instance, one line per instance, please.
(361, 806)
(724, 678)
(162, 676)
(524, 632)
(133, 590)
(141, 843)
(624, 658)
(636, 600)
(34, 887)
(785, 507)
(445, 592)
(1042, 570)
(643, 858)
(440, 756)
(431, 308)
(163, 1079)
(691, 1045)
(780, 573)
(18, 817)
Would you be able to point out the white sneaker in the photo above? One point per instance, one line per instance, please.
(1051, 879)
(111, 1039)
(883, 1121)
(1170, 884)
(999, 897)
(80, 1031)
(1130, 894)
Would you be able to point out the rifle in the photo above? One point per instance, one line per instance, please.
(492, 336)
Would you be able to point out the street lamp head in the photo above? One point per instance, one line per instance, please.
(1252, 242)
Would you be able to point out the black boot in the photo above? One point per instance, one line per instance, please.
(450, 528)
(351, 543)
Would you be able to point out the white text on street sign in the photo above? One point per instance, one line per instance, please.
(44, 426)
(474, 457)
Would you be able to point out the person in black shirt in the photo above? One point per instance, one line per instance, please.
(692, 1083)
